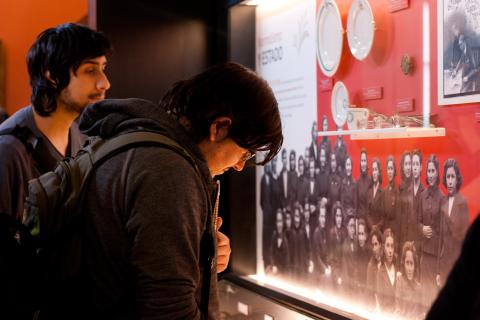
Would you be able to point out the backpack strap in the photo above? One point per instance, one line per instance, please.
(101, 151)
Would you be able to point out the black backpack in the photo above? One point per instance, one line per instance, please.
(53, 214)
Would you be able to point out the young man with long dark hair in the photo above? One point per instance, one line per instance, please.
(152, 215)
(66, 65)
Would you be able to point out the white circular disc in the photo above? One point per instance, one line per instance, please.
(340, 103)
(329, 37)
(360, 29)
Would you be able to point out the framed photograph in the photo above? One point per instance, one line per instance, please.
(458, 51)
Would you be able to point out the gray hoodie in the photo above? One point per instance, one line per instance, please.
(146, 211)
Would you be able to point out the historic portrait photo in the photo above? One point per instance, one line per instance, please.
(458, 51)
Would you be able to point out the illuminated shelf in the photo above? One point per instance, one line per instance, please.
(387, 133)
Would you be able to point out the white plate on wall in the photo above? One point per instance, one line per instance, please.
(340, 103)
(360, 29)
(329, 37)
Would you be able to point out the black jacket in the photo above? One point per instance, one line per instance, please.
(460, 297)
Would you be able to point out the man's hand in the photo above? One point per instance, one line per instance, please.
(223, 248)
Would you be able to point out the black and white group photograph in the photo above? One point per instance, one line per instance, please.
(366, 238)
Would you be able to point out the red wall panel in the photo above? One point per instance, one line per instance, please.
(399, 33)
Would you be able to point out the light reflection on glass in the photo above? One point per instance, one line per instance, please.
(320, 298)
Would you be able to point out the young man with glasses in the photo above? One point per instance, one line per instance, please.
(151, 212)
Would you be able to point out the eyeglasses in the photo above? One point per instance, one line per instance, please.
(247, 156)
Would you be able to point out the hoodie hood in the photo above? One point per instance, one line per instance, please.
(110, 117)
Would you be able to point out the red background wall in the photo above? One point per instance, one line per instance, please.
(396, 34)
(20, 22)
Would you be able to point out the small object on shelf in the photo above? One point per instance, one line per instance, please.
(360, 29)
(357, 118)
(406, 64)
(395, 121)
(340, 103)
(329, 37)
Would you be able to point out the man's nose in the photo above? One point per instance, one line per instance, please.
(239, 165)
(103, 83)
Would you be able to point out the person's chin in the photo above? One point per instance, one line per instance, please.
(219, 172)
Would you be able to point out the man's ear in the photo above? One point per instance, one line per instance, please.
(219, 129)
(49, 78)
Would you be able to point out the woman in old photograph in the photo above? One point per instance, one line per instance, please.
(429, 229)
(320, 244)
(407, 219)
(340, 151)
(302, 184)
(335, 242)
(308, 232)
(375, 218)
(349, 257)
(348, 190)
(376, 244)
(387, 275)
(455, 218)
(325, 143)
(390, 196)
(292, 179)
(298, 254)
(290, 236)
(363, 256)
(363, 184)
(307, 159)
(312, 187)
(408, 294)
(268, 209)
(323, 180)
(314, 145)
(302, 259)
(279, 252)
(334, 181)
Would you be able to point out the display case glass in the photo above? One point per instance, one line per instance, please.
(367, 224)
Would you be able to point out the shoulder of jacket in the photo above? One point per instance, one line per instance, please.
(11, 145)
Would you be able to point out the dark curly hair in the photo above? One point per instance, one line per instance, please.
(452, 163)
(58, 50)
(234, 91)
